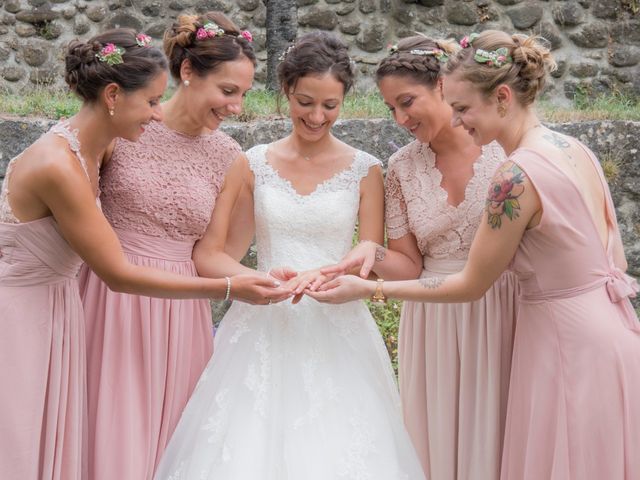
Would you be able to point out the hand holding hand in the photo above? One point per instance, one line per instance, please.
(343, 289)
(258, 289)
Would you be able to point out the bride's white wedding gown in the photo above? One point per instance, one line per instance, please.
(296, 392)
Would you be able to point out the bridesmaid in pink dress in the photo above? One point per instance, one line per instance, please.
(49, 223)
(574, 398)
(144, 354)
(454, 358)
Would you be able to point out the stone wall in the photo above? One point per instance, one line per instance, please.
(617, 144)
(597, 43)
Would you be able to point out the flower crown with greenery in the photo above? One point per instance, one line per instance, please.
(212, 29)
(494, 58)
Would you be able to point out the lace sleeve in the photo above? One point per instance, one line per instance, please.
(396, 216)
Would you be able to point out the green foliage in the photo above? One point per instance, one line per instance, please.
(40, 101)
(587, 106)
(387, 317)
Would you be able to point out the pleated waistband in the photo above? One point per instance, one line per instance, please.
(136, 243)
(441, 266)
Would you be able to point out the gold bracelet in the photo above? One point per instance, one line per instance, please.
(378, 296)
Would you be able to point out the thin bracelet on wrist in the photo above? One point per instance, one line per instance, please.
(228, 292)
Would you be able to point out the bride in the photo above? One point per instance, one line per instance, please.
(301, 390)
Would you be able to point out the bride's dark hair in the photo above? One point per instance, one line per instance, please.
(316, 53)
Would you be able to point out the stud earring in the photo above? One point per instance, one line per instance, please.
(186, 83)
(112, 112)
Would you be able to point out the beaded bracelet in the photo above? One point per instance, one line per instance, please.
(228, 293)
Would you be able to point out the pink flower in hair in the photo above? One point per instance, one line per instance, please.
(108, 49)
(143, 40)
(201, 34)
(246, 34)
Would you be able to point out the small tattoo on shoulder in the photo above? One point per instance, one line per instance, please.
(556, 140)
(431, 282)
(502, 200)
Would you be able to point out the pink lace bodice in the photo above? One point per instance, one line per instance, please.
(166, 184)
(61, 129)
(416, 203)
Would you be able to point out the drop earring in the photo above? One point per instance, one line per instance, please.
(112, 112)
(502, 110)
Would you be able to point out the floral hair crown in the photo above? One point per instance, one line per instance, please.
(212, 29)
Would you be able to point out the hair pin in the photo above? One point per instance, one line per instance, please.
(496, 58)
(111, 54)
(286, 52)
(209, 30)
(436, 52)
(143, 40)
(467, 40)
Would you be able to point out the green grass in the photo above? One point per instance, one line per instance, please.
(387, 317)
(261, 104)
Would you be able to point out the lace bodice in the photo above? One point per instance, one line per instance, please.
(305, 231)
(166, 184)
(416, 203)
(61, 129)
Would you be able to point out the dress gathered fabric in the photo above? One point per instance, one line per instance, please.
(145, 354)
(301, 391)
(574, 402)
(453, 358)
(42, 346)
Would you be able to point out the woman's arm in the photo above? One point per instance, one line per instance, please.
(505, 220)
(62, 186)
(211, 254)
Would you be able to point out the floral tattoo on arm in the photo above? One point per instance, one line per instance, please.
(507, 185)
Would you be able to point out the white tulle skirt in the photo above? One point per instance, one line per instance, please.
(294, 392)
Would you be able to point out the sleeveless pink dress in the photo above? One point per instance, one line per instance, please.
(574, 400)
(42, 347)
(144, 354)
(454, 358)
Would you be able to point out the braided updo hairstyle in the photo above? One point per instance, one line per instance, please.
(316, 53)
(205, 55)
(526, 74)
(423, 69)
(86, 75)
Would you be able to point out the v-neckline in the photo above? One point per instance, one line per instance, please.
(605, 246)
(440, 177)
(318, 185)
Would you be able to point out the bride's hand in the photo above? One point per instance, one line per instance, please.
(343, 289)
(361, 256)
(258, 289)
(283, 274)
(305, 281)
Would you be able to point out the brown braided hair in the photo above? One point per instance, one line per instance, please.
(424, 69)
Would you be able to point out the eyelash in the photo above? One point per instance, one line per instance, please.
(328, 107)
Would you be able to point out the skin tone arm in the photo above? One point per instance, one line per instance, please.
(61, 185)
(507, 217)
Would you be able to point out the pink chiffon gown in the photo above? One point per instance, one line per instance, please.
(42, 347)
(144, 354)
(574, 401)
(454, 358)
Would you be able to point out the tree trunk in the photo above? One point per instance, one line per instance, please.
(282, 26)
